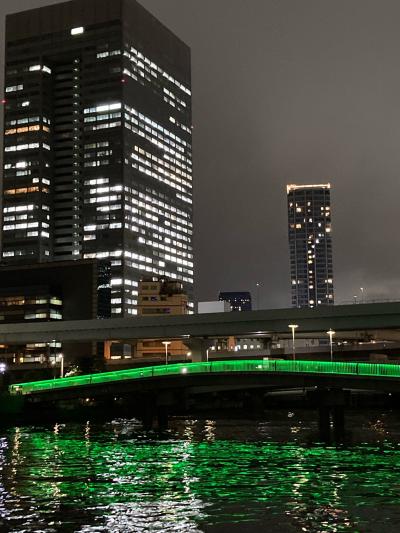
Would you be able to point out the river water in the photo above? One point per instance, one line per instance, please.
(217, 476)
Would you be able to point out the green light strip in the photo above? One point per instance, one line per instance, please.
(318, 367)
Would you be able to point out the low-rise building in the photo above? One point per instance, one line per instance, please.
(219, 306)
(161, 296)
(238, 301)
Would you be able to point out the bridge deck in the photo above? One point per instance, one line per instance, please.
(303, 367)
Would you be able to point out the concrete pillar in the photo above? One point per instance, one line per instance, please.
(148, 411)
(231, 343)
(324, 423)
(198, 346)
(338, 422)
(107, 349)
(162, 417)
(331, 404)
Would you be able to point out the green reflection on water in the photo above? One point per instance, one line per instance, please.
(76, 477)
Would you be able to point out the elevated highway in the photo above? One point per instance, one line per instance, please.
(378, 320)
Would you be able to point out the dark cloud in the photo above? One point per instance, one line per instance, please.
(289, 91)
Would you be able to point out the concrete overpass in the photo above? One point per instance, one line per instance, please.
(377, 321)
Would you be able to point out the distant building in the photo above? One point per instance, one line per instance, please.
(62, 290)
(310, 242)
(160, 297)
(214, 307)
(98, 143)
(239, 301)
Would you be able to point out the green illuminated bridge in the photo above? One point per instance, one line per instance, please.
(220, 375)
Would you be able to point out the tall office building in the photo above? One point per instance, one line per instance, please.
(310, 242)
(97, 143)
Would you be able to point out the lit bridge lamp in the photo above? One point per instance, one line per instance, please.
(166, 344)
(331, 333)
(293, 327)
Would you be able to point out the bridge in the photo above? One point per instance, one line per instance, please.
(155, 391)
(378, 321)
(368, 376)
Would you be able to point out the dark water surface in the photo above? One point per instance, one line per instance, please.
(212, 476)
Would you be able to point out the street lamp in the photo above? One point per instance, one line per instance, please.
(166, 344)
(362, 294)
(62, 366)
(55, 350)
(331, 333)
(293, 327)
(3, 368)
(258, 285)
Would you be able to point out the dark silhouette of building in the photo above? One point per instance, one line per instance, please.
(310, 242)
(239, 301)
(62, 290)
(97, 143)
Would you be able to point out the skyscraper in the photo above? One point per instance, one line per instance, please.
(310, 242)
(97, 143)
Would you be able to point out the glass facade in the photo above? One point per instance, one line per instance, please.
(98, 143)
(310, 242)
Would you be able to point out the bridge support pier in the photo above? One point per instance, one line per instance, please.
(198, 346)
(324, 423)
(254, 403)
(331, 404)
(156, 409)
(338, 422)
(147, 415)
(162, 417)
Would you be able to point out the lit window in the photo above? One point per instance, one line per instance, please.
(13, 88)
(77, 31)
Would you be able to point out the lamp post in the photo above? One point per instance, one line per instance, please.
(293, 327)
(62, 366)
(331, 333)
(3, 368)
(166, 344)
(258, 285)
(362, 294)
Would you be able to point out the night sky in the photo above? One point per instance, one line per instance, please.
(289, 91)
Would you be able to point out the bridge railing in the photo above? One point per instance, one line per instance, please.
(276, 366)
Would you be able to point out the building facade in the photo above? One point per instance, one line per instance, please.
(310, 243)
(98, 143)
(45, 292)
(239, 301)
(158, 297)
